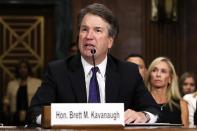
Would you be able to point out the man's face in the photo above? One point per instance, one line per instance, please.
(94, 34)
(140, 63)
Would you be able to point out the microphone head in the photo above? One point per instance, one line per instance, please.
(93, 51)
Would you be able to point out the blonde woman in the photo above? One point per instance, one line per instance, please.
(163, 85)
(192, 101)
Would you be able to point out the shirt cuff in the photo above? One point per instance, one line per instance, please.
(153, 118)
(38, 119)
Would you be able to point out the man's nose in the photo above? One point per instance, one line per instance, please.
(89, 34)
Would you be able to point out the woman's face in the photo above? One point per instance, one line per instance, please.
(189, 85)
(23, 70)
(160, 75)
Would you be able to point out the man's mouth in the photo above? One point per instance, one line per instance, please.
(89, 46)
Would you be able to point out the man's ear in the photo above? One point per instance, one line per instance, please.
(110, 42)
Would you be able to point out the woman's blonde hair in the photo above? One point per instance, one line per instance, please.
(172, 93)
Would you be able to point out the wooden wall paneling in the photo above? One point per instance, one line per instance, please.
(191, 28)
(164, 39)
(34, 43)
(139, 34)
(129, 14)
(130, 19)
(57, 27)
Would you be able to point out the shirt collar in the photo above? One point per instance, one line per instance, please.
(87, 67)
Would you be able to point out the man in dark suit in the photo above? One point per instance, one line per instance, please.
(67, 81)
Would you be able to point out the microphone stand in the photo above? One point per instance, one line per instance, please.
(93, 51)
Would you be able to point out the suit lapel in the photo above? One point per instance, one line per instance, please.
(78, 80)
(112, 84)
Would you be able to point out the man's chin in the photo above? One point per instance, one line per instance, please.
(87, 56)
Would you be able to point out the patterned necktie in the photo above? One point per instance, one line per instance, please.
(94, 95)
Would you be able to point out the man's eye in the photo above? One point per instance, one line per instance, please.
(98, 29)
(83, 29)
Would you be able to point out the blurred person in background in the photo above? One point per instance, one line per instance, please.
(139, 60)
(20, 92)
(187, 83)
(73, 49)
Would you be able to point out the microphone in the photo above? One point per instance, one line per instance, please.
(93, 51)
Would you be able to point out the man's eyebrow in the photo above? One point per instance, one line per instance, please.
(98, 27)
(83, 25)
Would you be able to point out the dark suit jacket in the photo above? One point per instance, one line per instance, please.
(195, 115)
(64, 82)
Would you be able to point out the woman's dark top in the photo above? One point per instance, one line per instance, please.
(170, 116)
(21, 105)
(22, 102)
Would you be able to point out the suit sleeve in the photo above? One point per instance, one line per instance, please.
(141, 99)
(144, 100)
(45, 95)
